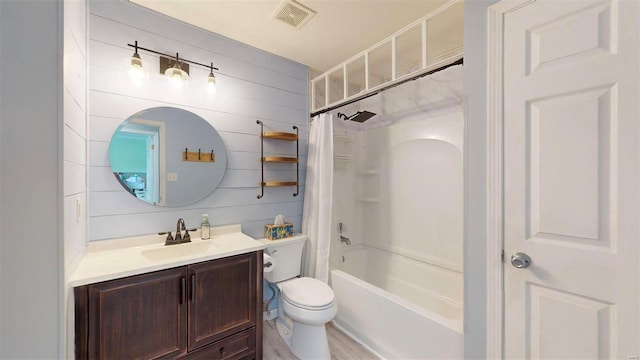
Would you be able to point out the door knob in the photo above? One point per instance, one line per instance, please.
(520, 260)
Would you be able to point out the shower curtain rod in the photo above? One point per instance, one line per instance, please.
(362, 97)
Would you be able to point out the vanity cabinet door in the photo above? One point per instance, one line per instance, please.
(139, 317)
(223, 298)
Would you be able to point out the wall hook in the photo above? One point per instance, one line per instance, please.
(198, 156)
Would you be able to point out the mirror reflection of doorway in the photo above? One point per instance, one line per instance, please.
(141, 161)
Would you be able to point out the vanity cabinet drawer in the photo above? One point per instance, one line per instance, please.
(239, 346)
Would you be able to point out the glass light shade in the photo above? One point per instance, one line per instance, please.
(211, 84)
(176, 76)
(136, 73)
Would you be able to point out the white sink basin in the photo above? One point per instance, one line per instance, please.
(177, 251)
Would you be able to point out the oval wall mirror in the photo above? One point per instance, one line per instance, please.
(167, 156)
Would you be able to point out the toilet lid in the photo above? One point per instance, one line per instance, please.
(307, 293)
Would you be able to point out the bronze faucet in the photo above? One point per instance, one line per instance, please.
(179, 238)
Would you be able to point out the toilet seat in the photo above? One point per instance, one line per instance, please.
(308, 293)
(306, 307)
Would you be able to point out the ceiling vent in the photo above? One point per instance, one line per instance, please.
(293, 13)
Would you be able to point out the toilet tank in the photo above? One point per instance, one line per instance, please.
(288, 257)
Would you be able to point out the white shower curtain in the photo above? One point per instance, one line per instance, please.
(318, 194)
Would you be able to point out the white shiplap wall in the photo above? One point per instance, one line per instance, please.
(252, 84)
(75, 160)
(74, 130)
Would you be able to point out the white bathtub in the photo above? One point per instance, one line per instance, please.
(399, 307)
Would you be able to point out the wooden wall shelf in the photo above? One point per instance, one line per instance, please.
(276, 135)
(280, 183)
(280, 135)
(278, 159)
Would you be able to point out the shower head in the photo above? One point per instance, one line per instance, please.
(360, 116)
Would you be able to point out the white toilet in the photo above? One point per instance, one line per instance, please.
(305, 304)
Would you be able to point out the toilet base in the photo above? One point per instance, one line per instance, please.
(307, 342)
(284, 328)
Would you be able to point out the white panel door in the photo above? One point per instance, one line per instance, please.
(571, 179)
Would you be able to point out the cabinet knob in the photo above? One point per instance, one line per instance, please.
(222, 352)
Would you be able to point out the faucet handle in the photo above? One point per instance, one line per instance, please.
(186, 237)
(169, 240)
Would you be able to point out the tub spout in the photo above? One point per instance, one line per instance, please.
(345, 240)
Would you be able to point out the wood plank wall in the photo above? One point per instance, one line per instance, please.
(75, 131)
(252, 84)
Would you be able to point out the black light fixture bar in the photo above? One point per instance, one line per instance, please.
(172, 56)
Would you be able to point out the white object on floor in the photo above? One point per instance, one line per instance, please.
(305, 304)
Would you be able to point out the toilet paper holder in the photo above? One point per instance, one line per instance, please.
(268, 262)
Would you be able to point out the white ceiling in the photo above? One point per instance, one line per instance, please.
(339, 30)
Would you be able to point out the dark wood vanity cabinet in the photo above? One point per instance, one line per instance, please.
(209, 310)
(229, 281)
(139, 317)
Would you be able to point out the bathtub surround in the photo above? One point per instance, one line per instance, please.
(317, 215)
(251, 85)
(398, 191)
(411, 276)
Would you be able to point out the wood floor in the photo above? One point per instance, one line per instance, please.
(342, 346)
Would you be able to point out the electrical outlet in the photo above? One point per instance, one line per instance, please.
(172, 177)
(79, 210)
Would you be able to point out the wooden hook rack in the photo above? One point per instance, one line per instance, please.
(198, 156)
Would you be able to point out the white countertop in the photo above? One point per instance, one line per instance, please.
(112, 259)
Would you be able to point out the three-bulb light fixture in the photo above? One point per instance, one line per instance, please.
(176, 69)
